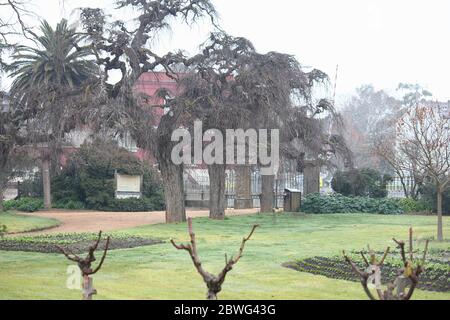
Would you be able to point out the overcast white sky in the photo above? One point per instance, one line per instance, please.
(382, 42)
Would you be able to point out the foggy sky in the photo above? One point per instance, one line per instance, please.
(382, 42)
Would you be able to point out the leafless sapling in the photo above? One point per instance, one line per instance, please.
(407, 276)
(213, 282)
(85, 265)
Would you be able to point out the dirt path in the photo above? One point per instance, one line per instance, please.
(93, 221)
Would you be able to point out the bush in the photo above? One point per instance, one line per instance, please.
(32, 186)
(337, 203)
(134, 205)
(70, 205)
(361, 183)
(24, 204)
(428, 192)
(411, 205)
(88, 180)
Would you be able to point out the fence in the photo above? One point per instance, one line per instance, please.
(395, 187)
(196, 183)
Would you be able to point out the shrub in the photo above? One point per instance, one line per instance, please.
(70, 205)
(134, 205)
(24, 204)
(88, 179)
(336, 203)
(428, 192)
(31, 187)
(363, 183)
(412, 205)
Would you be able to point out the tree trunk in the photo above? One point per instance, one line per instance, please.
(172, 177)
(403, 183)
(267, 194)
(1, 200)
(217, 191)
(46, 183)
(172, 174)
(311, 181)
(88, 289)
(211, 295)
(243, 187)
(439, 214)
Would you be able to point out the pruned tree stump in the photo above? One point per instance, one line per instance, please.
(213, 282)
(88, 289)
(85, 265)
(406, 281)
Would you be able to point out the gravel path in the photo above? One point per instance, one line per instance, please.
(93, 221)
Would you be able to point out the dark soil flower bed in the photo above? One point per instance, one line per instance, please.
(435, 278)
(76, 242)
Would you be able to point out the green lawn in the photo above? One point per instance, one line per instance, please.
(23, 223)
(162, 272)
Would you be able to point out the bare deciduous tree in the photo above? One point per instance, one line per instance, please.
(423, 135)
(124, 47)
(409, 174)
(85, 265)
(17, 9)
(408, 276)
(209, 93)
(12, 26)
(213, 282)
(235, 87)
(8, 132)
(13, 157)
(369, 116)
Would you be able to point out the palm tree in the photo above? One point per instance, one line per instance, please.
(43, 76)
(59, 60)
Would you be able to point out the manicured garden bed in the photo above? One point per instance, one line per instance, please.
(162, 272)
(75, 242)
(435, 278)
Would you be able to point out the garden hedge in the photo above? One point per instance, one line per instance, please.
(88, 181)
(337, 203)
(361, 183)
(24, 204)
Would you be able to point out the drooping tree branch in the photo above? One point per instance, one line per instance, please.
(124, 46)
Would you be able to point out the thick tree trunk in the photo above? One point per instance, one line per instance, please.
(46, 183)
(311, 181)
(243, 187)
(267, 194)
(172, 174)
(440, 235)
(172, 177)
(217, 191)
